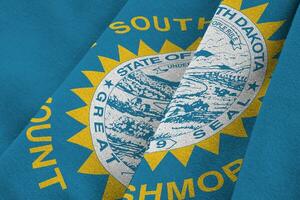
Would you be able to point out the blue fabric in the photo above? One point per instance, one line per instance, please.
(41, 42)
(271, 169)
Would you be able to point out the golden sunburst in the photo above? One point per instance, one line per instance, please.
(114, 189)
(235, 128)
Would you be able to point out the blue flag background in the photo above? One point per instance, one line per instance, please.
(41, 42)
(89, 137)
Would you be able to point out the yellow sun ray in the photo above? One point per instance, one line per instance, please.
(236, 129)
(255, 13)
(252, 109)
(83, 138)
(183, 154)
(94, 77)
(268, 29)
(153, 159)
(92, 166)
(194, 45)
(264, 89)
(81, 115)
(275, 47)
(272, 65)
(108, 64)
(236, 4)
(125, 54)
(145, 50)
(211, 144)
(85, 94)
(114, 189)
(169, 47)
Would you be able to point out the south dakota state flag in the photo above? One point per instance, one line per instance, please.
(161, 107)
(88, 138)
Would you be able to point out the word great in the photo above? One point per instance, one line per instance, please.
(161, 24)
